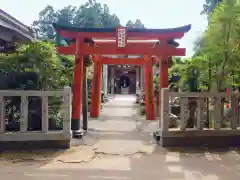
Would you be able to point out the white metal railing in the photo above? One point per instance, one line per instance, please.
(45, 133)
(200, 109)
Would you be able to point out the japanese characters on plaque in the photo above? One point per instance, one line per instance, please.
(121, 37)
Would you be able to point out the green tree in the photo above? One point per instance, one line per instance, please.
(90, 14)
(221, 44)
(40, 58)
(136, 24)
(217, 51)
(209, 6)
(35, 66)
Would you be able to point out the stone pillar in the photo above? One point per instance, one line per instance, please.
(164, 119)
(141, 78)
(184, 114)
(217, 113)
(234, 118)
(137, 78)
(105, 79)
(201, 110)
(112, 80)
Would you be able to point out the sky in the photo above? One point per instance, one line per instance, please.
(153, 13)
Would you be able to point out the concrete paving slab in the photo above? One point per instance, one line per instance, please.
(122, 147)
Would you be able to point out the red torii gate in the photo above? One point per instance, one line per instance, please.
(152, 53)
(148, 77)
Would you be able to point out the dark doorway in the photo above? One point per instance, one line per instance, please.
(124, 77)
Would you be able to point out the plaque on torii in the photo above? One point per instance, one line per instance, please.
(121, 37)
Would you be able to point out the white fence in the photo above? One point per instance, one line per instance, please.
(200, 114)
(45, 134)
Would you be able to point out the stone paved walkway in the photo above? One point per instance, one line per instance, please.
(119, 145)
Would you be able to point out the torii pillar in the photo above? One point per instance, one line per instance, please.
(77, 90)
(96, 88)
(149, 88)
(163, 72)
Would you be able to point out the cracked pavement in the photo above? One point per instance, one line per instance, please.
(119, 145)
